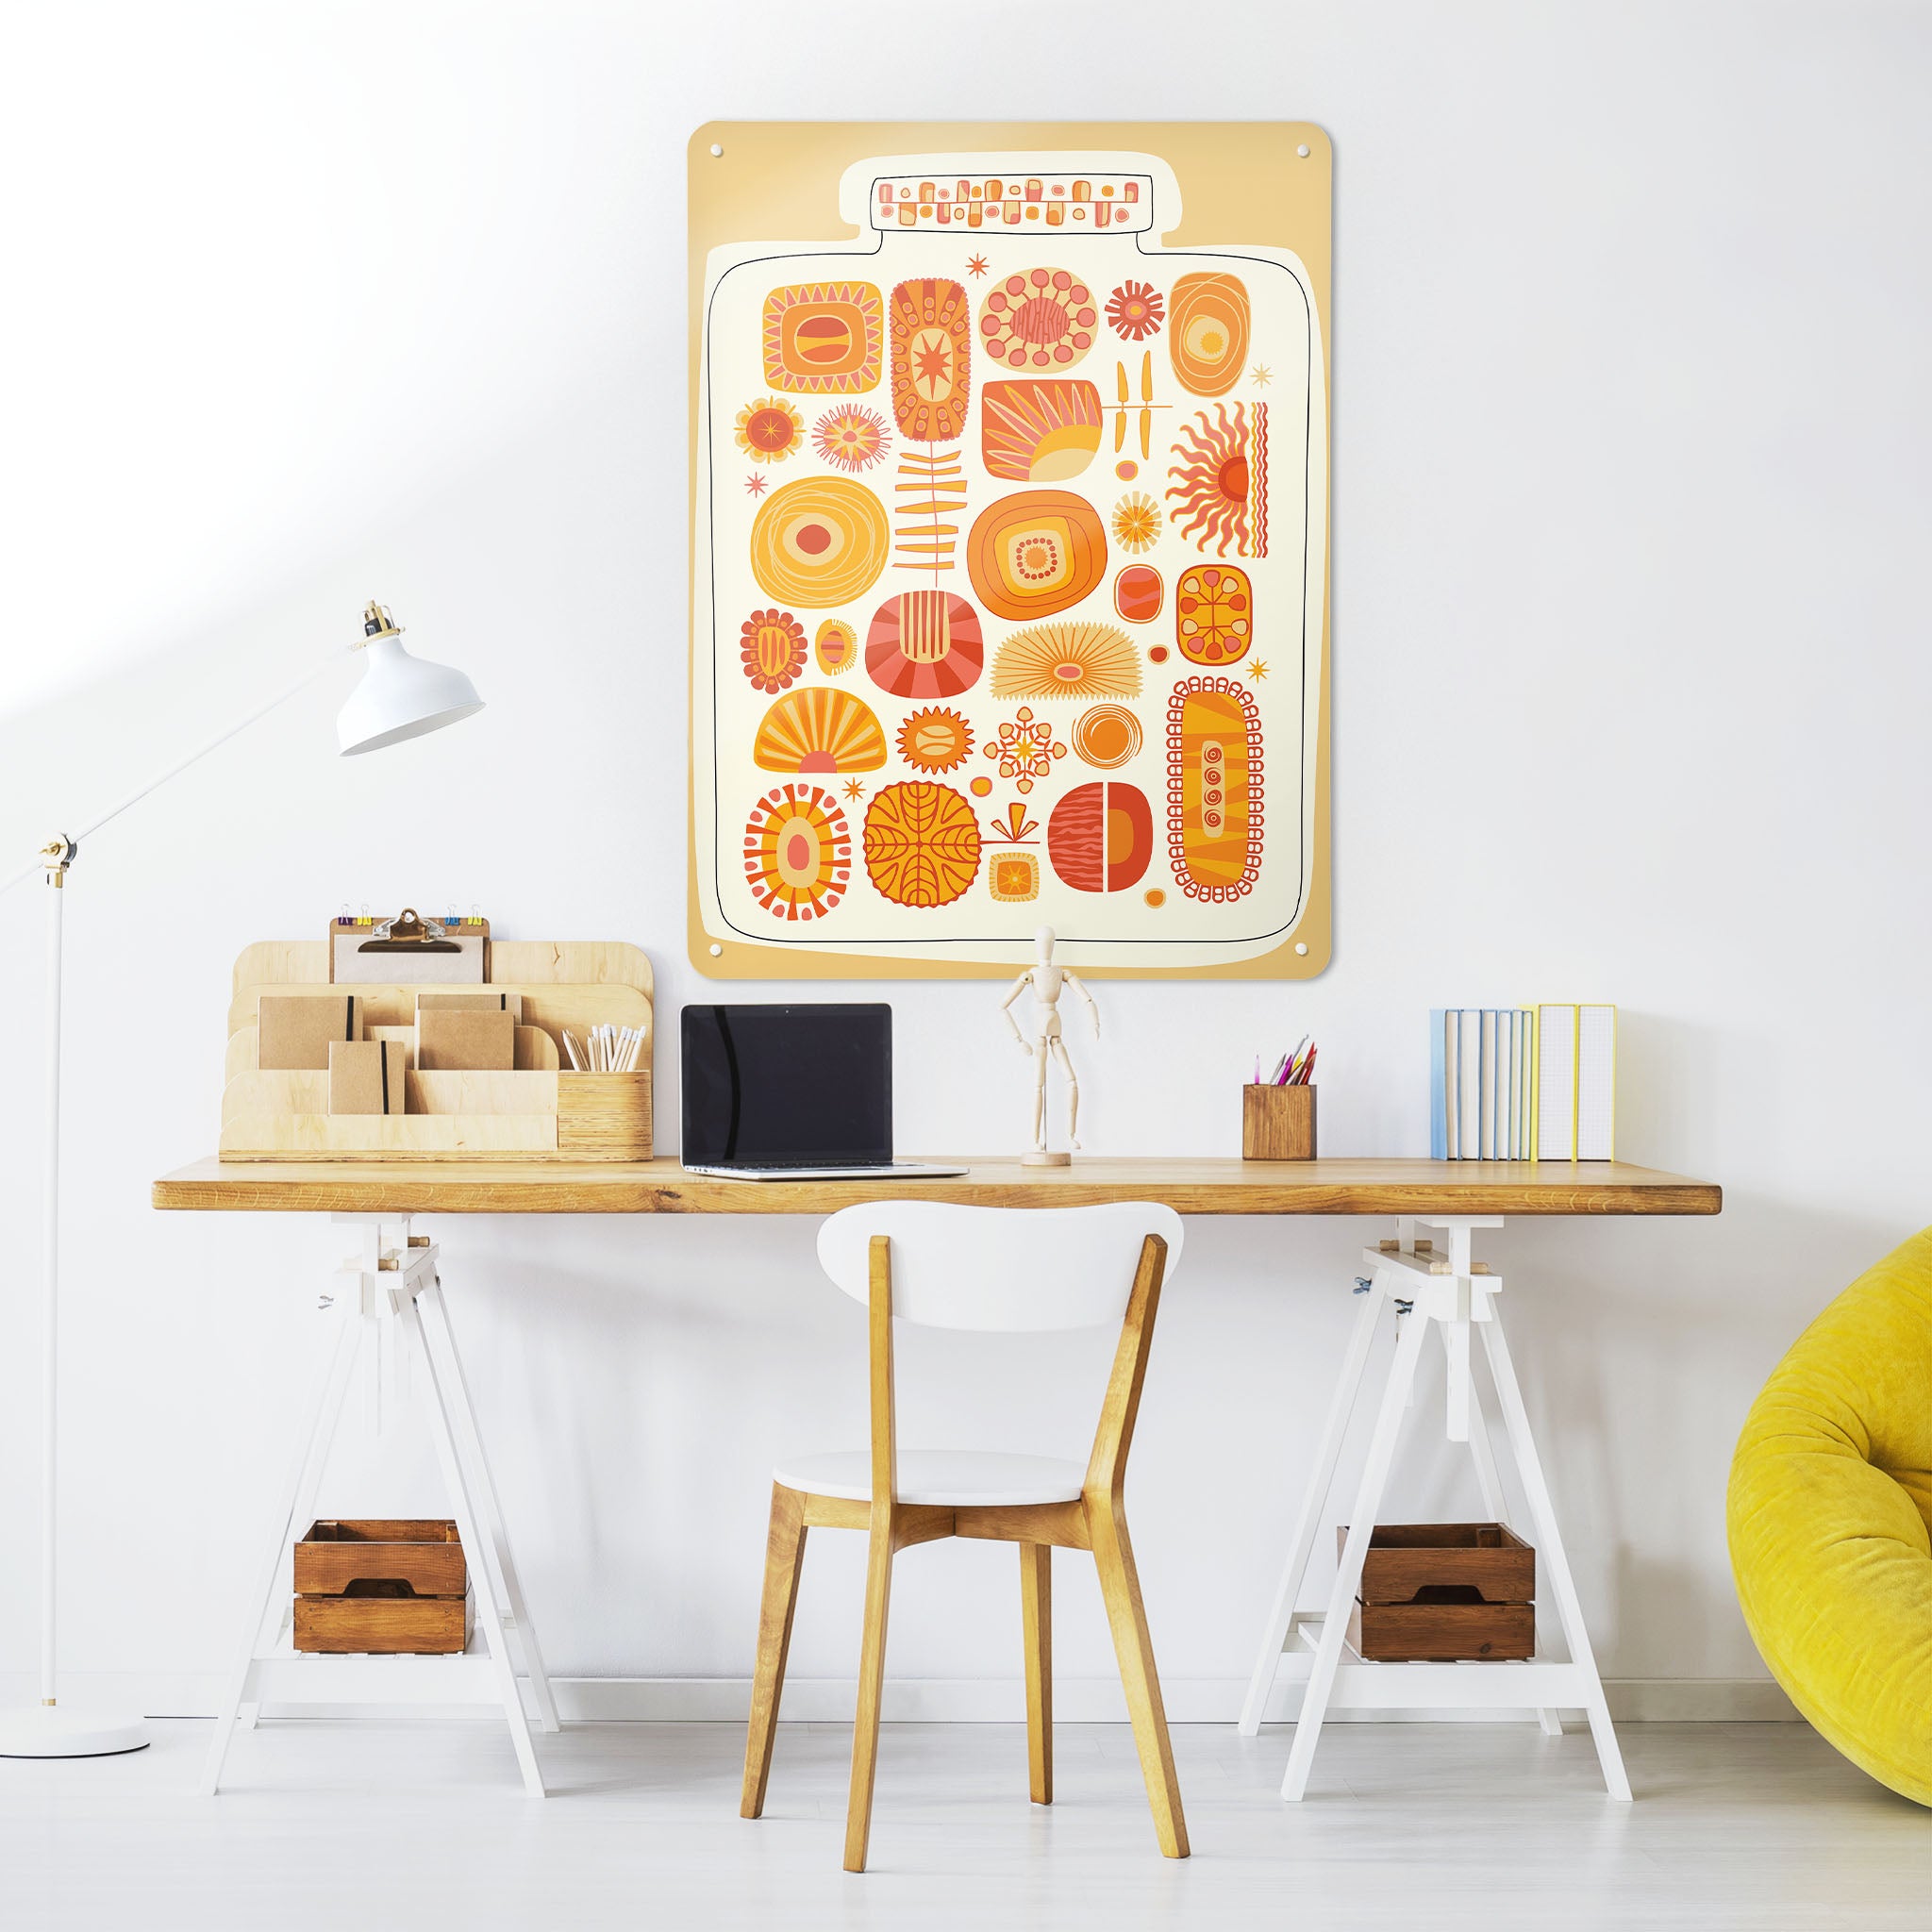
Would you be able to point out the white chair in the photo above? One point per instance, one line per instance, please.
(1011, 1270)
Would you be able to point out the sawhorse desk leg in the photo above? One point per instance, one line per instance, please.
(1451, 1293)
(392, 1290)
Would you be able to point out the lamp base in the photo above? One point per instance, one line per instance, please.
(50, 1730)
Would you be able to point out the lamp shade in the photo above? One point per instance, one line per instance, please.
(401, 696)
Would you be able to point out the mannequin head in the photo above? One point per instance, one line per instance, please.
(1042, 945)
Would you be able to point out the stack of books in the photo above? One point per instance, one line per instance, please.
(1523, 1083)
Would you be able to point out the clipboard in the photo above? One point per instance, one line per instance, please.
(411, 949)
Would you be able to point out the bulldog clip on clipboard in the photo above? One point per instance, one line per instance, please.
(409, 949)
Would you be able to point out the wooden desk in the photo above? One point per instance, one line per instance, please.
(1423, 1188)
(1422, 1286)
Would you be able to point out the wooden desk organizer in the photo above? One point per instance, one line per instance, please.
(539, 1112)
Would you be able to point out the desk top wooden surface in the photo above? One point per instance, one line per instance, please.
(1189, 1187)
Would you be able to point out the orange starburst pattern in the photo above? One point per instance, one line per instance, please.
(797, 852)
(1135, 311)
(853, 789)
(768, 429)
(1258, 671)
(1136, 521)
(975, 265)
(934, 740)
(851, 439)
(1025, 749)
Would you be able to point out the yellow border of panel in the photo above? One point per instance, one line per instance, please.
(781, 178)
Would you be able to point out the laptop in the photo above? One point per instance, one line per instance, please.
(792, 1093)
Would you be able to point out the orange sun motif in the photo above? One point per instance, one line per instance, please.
(768, 429)
(1220, 487)
(1136, 521)
(975, 265)
(934, 740)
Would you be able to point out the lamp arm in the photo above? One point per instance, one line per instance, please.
(40, 864)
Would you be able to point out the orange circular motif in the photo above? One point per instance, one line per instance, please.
(1108, 736)
(1214, 614)
(772, 643)
(768, 429)
(1154, 897)
(981, 788)
(821, 541)
(921, 843)
(1035, 553)
(1043, 319)
(797, 852)
(1209, 343)
(1101, 838)
(934, 740)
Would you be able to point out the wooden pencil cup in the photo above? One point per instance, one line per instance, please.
(1278, 1123)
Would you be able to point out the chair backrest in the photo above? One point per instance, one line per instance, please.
(1008, 1269)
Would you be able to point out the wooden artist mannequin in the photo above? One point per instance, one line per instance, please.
(1047, 982)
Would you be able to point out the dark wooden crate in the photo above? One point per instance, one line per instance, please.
(1442, 1632)
(387, 1585)
(1443, 1593)
(1406, 1558)
(370, 1620)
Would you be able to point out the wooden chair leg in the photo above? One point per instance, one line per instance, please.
(1036, 1616)
(784, 1555)
(872, 1681)
(1120, 1588)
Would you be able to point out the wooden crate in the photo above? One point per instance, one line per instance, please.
(1444, 1593)
(384, 1585)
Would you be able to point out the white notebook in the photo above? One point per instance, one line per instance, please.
(1556, 1083)
(1597, 1083)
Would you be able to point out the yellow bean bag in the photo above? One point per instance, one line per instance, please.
(1831, 1493)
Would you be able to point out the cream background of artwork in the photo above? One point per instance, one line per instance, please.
(1613, 510)
(726, 709)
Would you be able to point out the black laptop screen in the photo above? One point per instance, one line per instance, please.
(787, 1086)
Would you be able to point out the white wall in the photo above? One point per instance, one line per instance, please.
(1632, 409)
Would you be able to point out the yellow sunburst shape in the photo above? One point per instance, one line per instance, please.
(1136, 521)
(770, 429)
(1258, 671)
(1072, 660)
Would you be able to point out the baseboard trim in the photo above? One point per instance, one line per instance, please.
(939, 1700)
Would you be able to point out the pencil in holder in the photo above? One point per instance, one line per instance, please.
(1278, 1123)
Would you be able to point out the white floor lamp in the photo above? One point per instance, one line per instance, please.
(399, 697)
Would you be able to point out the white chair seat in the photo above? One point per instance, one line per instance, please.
(950, 1479)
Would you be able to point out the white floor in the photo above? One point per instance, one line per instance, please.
(1420, 1826)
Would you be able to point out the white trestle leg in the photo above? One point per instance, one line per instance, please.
(1443, 1288)
(390, 1306)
